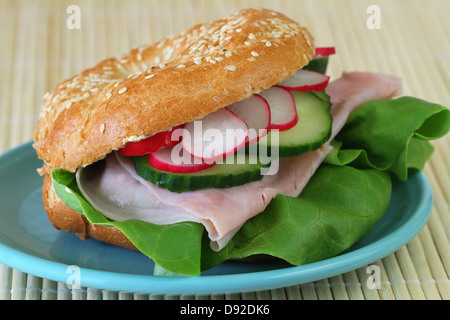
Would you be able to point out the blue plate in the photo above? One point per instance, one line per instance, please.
(29, 243)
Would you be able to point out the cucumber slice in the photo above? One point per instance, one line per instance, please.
(318, 64)
(310, 133)
(221, 175)
(322, 95)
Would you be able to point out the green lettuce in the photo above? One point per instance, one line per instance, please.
(390, 135)
(337, 208)
(342, 202)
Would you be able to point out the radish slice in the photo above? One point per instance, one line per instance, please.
(150, 144)
(283, 112)
(176, 159)
(255, 111)
(324, 52)
(215, 136)
(305, 80)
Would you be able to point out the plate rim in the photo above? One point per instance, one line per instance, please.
(231, 283)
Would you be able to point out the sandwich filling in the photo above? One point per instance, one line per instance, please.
(118, 192)
(316, 205)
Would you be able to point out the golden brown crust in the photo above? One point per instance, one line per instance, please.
(64, 218)
(171, 82)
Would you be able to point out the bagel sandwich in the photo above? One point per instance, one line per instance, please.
(161, 150)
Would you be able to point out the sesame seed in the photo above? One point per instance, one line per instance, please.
(108, 95)
(247, 43)
(102, 128)
(149, 76)
(228, 54)
(255, 54)
(67, 104)
(268, 44)
(238, 30)
(94, 89)
(218, 58)
(251, 36)
(251, 59)
(198, 60)
(123, 90)
(231, 67)
(162, 65)
(180, 66)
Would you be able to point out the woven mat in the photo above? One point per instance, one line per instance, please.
(38, 50)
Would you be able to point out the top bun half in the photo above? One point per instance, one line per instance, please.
(176, 80)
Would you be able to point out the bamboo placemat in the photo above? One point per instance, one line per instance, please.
(38, 50)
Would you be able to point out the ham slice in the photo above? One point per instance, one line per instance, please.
(354, 88)
(119, 193)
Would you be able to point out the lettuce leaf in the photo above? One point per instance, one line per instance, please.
(382, 137)
(390, 135)
(338, 207)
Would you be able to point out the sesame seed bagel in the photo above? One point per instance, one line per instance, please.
(176, 80)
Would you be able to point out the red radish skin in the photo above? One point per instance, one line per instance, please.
(150, 144)
(255, 111)
(163, 160)
(208, 139)
(283, 112)
(324, 52)
(305, 80)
